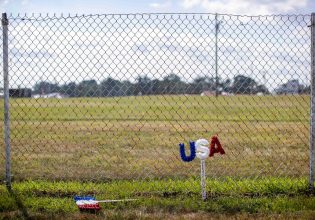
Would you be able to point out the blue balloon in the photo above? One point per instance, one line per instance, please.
(192, 152)
(77, 198)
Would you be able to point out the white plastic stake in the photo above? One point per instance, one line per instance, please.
(202, 152)
(203, 179)
(116, 200)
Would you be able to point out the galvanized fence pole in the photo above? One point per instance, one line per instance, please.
(312, 130)
(5, 24)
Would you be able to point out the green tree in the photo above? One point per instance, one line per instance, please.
(143, 85)
(69, 89)
(243, 85)
(46, 88)
(172, 84)
(111, 87)
(87, 88)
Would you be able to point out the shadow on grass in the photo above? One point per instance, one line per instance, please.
(18, 202)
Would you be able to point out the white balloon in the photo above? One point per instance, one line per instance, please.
(202, 149)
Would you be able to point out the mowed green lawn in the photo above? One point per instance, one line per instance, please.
(137, 137)
(280, 198)
(60, 143)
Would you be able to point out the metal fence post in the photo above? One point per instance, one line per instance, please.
(5, 24)
(312, 130)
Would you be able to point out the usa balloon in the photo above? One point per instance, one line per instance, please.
(202, 149)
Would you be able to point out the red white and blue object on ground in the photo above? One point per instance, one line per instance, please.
(89, 203)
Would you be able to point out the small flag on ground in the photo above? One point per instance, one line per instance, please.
(89, 203)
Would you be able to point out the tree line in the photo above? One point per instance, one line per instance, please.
(171, 84)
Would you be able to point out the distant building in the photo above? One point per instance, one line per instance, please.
(291, 87)
(227, 94)
(55, 95)
(208, 93)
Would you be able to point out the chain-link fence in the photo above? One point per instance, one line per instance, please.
(109, 97)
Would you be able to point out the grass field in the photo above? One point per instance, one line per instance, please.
(159, 199)
(117, 144)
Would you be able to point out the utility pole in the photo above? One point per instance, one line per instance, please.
(217, 29)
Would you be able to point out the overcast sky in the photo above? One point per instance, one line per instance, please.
(250, 7)
(271, 49)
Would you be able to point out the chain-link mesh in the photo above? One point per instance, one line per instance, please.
(98, 98)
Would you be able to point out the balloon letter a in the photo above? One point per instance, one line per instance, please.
(213, 149)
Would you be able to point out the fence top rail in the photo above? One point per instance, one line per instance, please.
(47, 16)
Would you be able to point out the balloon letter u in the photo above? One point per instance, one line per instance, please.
(192, 152)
